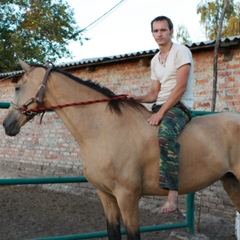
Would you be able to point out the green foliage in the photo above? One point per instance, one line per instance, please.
(182, 35)
(36, 31)
(210, 11)
(233, 28)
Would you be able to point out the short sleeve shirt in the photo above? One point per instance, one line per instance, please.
(166, 73)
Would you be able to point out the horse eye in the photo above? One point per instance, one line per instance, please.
(17, 88)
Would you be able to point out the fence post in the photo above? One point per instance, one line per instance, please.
(190, 212)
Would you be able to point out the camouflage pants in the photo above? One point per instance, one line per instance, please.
(170, 128)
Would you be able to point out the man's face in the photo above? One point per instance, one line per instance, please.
(161, 32)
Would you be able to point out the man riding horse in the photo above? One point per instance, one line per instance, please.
(172, 90)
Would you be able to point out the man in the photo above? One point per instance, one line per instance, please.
(172, 90)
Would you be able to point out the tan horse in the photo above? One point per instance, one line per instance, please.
(120, 149)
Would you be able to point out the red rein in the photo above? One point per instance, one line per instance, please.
(35, 111)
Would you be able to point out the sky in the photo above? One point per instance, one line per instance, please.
(127, 28)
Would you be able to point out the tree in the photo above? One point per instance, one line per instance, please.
(233, 27)
(35, 30)
(221, 19)
(182, 35)
(211, 11)
(217, 44)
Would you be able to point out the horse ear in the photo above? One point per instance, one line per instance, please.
(24, 65)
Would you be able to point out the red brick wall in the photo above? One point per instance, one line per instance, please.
(50, 150)
(120, 77)
(228, 95)
(134, 76)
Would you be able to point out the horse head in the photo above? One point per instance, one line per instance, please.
(26, 87)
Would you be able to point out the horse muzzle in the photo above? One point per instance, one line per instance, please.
(12, 124)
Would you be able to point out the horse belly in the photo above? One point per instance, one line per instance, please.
(204, 154)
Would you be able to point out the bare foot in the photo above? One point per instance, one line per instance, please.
(172, 202)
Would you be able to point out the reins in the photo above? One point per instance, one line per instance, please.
(38, 98)
(38, 110)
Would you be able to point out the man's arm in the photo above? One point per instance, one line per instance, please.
(176, 94)
(180, 88)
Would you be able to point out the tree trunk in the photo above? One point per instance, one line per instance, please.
(215, 66)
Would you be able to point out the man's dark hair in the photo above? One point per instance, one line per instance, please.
(161, 18)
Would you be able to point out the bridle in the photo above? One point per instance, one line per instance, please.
(38, 98)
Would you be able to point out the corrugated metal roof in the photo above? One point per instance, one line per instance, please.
(146, 52)
(9, 74)
(107, 58)
(211, 42)
(91, 61)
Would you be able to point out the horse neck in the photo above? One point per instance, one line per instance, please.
(78, 119)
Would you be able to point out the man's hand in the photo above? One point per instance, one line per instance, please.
(131, 95)
(155, 119)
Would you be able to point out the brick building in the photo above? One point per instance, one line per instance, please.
(50, 150)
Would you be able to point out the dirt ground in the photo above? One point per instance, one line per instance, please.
(28, 212)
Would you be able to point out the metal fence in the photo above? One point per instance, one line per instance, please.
(188, 223)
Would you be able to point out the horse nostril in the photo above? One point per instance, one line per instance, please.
(4, 123)
(11, 130)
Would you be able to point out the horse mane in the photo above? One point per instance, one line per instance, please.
(114, 106)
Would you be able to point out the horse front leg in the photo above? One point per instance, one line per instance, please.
(128, 203)
(112, 214)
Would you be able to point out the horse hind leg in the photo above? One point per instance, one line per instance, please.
(232, 186)
(112, 214)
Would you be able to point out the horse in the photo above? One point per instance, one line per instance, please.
(119, 149)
